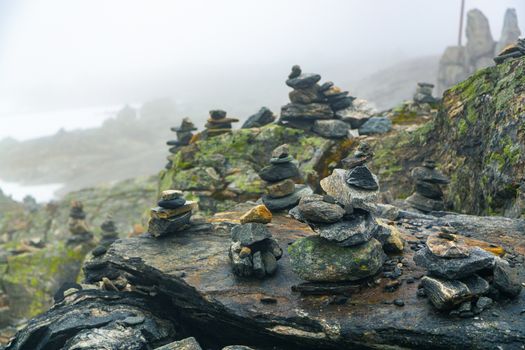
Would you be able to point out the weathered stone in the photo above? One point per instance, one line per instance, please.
(454, 268)
(429, 190)
(296, 71)
(241, 266)
(445, 294)
(171, 203)
(342, 103)
(281, 160)
(355, 117)
(318, 211)
(250, 233)
(310, 111)
(332, 128)
(222, 121)
(506, 279)
(306, 96)
(303, 81)
(281, 151)
(258, 265)
(476, 285)
(354, 230)
(319, 260)
(448, 248)
(286, 202)
(259, 214)
(161, 227)
(429, 175)
(425, 204)
(390, 237)
(164, 213)
(483, 303)
(263, 117)
(335, 185)
(184, 344)
(281, 188)
(269, 262)
(361, 177)
(376, 125)
(170, 194)
(217, 114)
(279, 172)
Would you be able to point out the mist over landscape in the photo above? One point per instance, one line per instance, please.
(71, 65)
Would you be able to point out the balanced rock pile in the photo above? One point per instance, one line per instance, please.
(253, 251)
(512, 51)
(218, 123)
(77, 224)
(173, 214)
(424, 93)
(184, 134)
(428, 194)
(314, 107)
(109, 232)
(279, 175)
(453, 281)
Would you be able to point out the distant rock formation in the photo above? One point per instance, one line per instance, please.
(458, 62)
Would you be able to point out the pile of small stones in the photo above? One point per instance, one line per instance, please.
(253, 251)
(109, 232)
(173, 214)
(279, 175)
(184, 134)
(428, 195)
(424, 93)
(454, 279)
(77, 224)
(218, 123)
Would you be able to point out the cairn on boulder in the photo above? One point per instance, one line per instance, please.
(184, 134)
(173, 214)
(279, 175)
(77, 224)
(511, 51)
(428, 195)
(349, 243)
(316, 107)
(263, 117)
(253, 251)
(453, 281)
(218, 123)
(424, 93)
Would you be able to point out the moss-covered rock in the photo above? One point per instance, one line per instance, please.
(30, 280)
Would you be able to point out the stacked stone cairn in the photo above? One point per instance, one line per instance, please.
(349, 244)
(77, 224)
(184, 134)
(428, 195)
(279, 175)
(315, 107)
(453, 281)
(253, 252)
(424, 93)
(218, 123)
(511, 51)
(109, 232)
(172, 215)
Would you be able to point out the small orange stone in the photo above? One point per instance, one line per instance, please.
(259, 214)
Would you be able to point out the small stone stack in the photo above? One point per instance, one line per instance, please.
(424, 93)
(361, 156)
(453, 281)
(253, 251)
(172, 215)
(428, 195)
(349, 242)
(281, 191)
(511, 51)
(315, 107)
(218, 123)
(184, 135)
(77, 224)
(109, 232)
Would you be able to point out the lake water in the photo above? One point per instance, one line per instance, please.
(42, 193)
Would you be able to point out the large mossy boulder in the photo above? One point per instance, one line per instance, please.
(222, 170)
(319, 260)
(30, 280)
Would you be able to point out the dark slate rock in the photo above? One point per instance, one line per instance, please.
(331, 128)
(429, 175)
(278, 172)
(425, 204)
(277, 204)
(250, 233)
(217, 114)
(376, 125)
(454, 268)
(429, 190)
(319, 211)
(172, 203)
(310, 111)
(281, 160)
(342, 103)
(354, 230)
(161, 227)
(506, 279)
(476, 285)
(99, 250)
(303, 81)
(306, 96)
(296, 71)
(445, 294)
(361, 177)
(263, 117)
(326, 86)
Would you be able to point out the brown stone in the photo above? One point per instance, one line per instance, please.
(259, 214)
(451, 246)
(281, 189)
(170, 194)
(163, 213)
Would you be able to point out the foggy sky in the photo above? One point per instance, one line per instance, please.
(58, 54)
